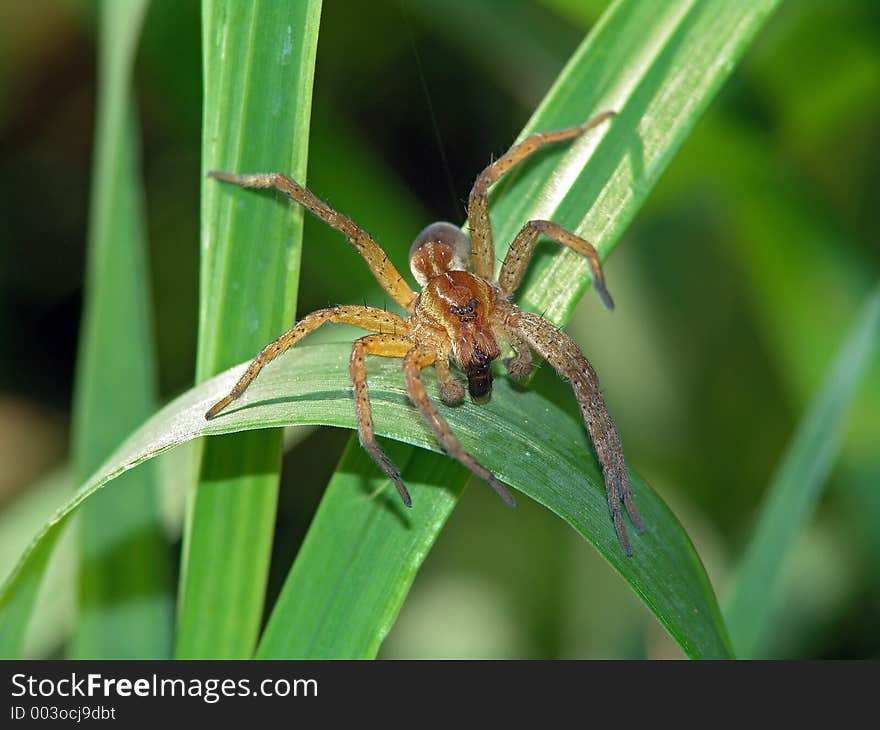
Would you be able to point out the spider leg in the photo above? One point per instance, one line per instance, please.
(385, 345)
(520, 365)
(571, 364)
(368, 318)
(523, 245)
(416, 359)
(451, 391)
(478, 203)
(383, 270)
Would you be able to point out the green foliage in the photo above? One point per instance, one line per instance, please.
(797, 486)
(310, 386)
(658, 82)
(124, 596)
(259, 64)
(736, 279)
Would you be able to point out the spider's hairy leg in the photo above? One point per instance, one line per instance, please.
(385, 345)
(368, 318)
(478, 203)
(451, 391)
(520, 365)
(571, 364)
(380, 265)
(520, 253)
(416, 359)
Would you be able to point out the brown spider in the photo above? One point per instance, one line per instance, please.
(459, 316)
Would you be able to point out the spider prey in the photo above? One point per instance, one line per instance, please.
(459, 317)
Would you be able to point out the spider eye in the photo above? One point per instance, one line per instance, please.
(467, 312)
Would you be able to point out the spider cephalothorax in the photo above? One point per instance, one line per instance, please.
(459, 318)
(455, 303)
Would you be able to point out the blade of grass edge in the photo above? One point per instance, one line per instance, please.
(796, 487)
(629, 63)
(258, 72)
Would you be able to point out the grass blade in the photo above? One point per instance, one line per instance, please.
(658, 67)
(364, 548)
(124, 583)
(310, 386)
(796, 487)
(49, 622)
(259, 64)
(17, 603)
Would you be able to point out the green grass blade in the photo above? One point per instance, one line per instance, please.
(370, 535)
(310, 386)
(258, 69)
(49, 621)
(124, 583)
(796, 487)
(20, 594)
(658, 67)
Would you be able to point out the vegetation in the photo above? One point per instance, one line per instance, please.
(739, 363)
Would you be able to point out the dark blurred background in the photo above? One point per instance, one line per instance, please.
(735, 287)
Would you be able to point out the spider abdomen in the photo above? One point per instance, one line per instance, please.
(440, 247)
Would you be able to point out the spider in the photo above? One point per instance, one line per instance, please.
(458, 317)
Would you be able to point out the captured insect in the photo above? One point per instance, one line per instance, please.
(458, 318)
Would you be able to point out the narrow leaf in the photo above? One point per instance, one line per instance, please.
(48, 621)
(796, 487)
(124, 582)
(20, 593)
(259, 64)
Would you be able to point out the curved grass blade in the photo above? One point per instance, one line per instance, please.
(49, 621)
(658, 65)
(125, 605)
(259, 66)
(309, 385)
(17, 603)
(797, 486)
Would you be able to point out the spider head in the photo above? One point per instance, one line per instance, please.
(439, 248)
